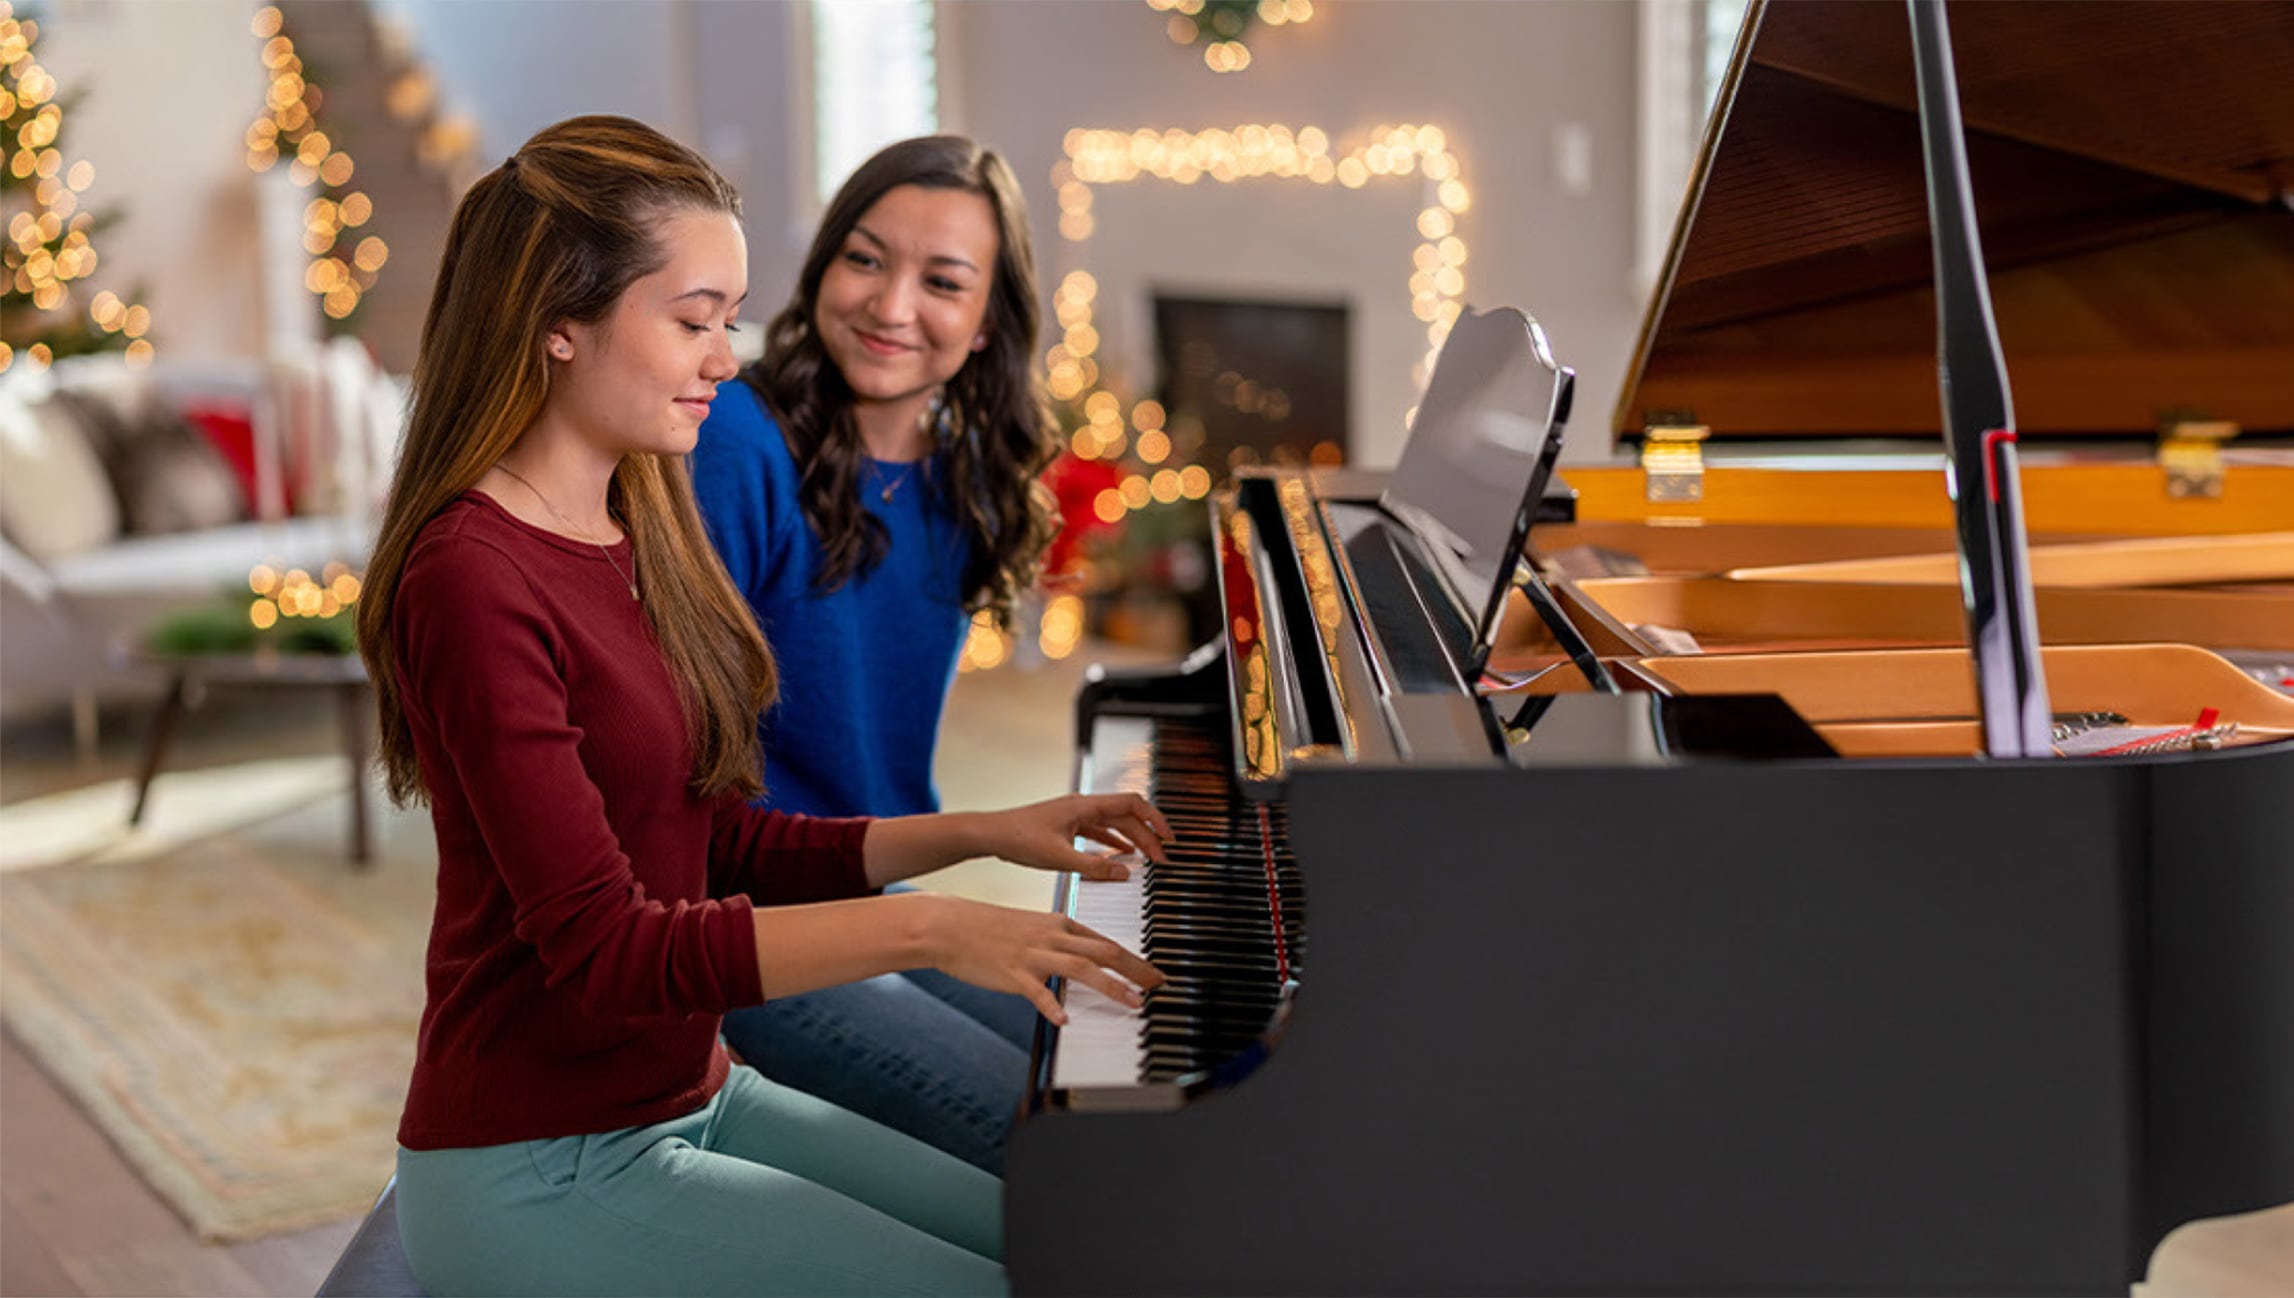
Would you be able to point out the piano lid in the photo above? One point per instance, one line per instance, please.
(2133, 164)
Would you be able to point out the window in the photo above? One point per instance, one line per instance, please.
(874, 81)
(1722, 18)
(1684, 53)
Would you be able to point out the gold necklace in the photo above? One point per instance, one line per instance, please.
(626, 578)
(886, 494)
(933, 423)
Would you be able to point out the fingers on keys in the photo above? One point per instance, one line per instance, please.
(1108, 958)
(1128, 822)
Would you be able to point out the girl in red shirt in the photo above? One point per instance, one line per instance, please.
(569, 680)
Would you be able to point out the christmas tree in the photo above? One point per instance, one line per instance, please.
(49, 252)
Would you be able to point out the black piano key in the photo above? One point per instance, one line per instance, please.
(1210, 914)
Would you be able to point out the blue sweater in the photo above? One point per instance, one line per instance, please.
(864, 669)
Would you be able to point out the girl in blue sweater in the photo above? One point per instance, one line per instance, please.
(871, 483)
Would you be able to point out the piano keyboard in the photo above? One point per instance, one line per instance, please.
(1224, 920)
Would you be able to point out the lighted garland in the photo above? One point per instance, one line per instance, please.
(1437, 281)
(295, 594)
(292, 613)
(1220, 24)
(288, 127)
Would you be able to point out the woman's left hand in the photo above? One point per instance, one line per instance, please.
(1043, 834)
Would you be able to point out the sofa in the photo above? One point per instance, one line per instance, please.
(130, 494)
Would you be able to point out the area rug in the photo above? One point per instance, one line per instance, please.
(89, 824)
(232, 1002)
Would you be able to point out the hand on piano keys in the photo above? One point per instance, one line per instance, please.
(1043, 834)
(1021, 951)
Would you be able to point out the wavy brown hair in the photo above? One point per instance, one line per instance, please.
(557, 233)
(1001, 434)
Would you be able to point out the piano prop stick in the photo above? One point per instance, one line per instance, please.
(1979, 422)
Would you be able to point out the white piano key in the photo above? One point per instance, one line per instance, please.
(1100, 1046)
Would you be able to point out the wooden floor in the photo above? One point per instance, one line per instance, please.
(75, 1219)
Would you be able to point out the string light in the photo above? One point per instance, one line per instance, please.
(1437, 281)
(1061, 629)
(296, 594)
(1227, 56)
(985, 645)
(288, 129)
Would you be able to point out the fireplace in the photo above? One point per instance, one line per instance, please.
(1252, 382)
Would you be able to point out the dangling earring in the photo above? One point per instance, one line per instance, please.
(939, 422)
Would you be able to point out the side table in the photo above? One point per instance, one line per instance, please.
(190, 675)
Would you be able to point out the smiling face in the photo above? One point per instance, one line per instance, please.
(640, 379)
(904, 302)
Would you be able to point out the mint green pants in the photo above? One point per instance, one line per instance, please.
(765, 1190)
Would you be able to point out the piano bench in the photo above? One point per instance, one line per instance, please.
(372, 1264)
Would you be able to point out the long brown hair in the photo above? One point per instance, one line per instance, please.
(557, 233)
(1000, 434)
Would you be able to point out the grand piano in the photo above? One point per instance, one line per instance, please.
(1519, 948)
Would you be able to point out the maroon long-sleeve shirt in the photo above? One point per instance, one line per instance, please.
(594, 914)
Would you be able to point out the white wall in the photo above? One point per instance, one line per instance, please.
(1502, 80)
(517, 66)
(173, 84)
(170, 87)
(715, 75)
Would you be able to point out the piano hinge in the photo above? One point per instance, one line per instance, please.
(2190, 451)
(1672, 456)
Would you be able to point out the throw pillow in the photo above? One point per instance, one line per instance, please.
(54, 498)
(178, 482)
(167, 477)
(231, 431)
(102, 430)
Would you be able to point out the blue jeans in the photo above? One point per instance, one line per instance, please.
(920, 1052)
(761, 1191)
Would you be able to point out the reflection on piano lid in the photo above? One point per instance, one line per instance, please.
(2132, 165)
(1581, 730)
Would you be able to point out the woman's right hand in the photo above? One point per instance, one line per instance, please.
(1009, 950)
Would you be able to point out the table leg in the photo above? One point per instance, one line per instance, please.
(354, 712)
(162, 730)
